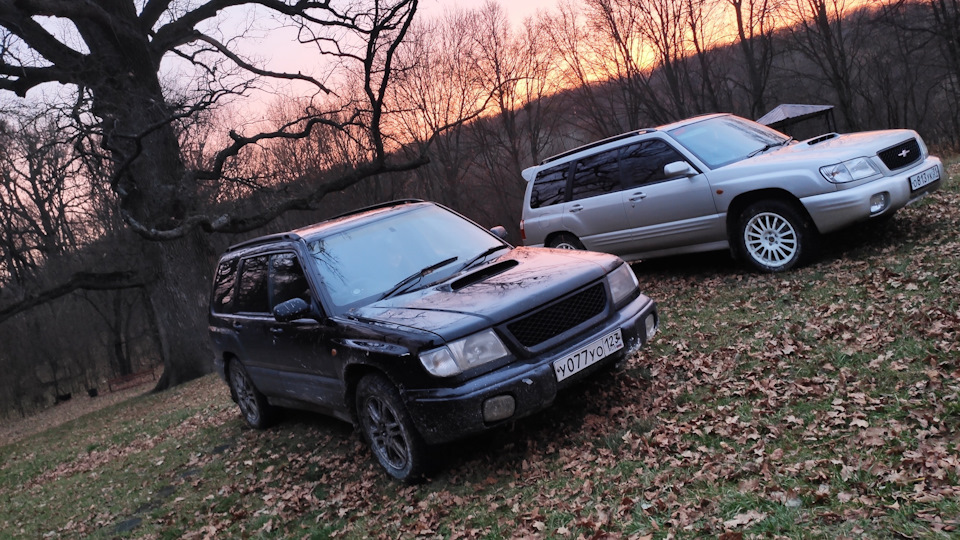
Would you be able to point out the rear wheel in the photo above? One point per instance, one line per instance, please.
(253, 405)
(774, 237)
(388, 429)
(565, 241)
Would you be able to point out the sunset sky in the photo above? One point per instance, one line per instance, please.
(517, 10)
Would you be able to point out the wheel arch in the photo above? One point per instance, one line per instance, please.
(228, 359)
(741, 202)
(550, 237)
(572, 239)
(352, 375)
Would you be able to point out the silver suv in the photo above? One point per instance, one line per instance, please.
(722, 182)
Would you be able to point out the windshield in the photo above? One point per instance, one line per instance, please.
(727, 139)
(363, 264)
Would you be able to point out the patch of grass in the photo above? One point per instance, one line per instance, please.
(821, 403)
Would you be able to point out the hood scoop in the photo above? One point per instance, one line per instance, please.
(484, 273)
(822, 138)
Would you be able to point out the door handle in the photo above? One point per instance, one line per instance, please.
(575, 208)
(637, 197)
(275, 330)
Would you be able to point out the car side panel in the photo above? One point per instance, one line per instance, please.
(673, 213)
(599, 222)
(311, 371)
(286, 360)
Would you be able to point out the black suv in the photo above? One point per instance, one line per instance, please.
(416, 324)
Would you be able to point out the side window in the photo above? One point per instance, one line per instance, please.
(642, 163)
(224, 286)
(596, 175)
(550, 186)
(287, 280)
(252, 295)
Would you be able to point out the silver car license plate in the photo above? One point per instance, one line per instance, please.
(589, 355)
(924, 178)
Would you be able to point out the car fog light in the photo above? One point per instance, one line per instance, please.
(879, 202)
(498, 408)
(651, 323)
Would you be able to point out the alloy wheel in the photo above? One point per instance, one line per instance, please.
(386, 434)
(771, 239)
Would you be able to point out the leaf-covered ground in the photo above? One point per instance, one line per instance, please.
(821, 403)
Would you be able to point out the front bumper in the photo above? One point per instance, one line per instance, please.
(838, 209)
(446, 414)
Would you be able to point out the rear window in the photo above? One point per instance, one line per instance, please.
(252, 296)
(596, 175)
(550, 186)
(224, 286)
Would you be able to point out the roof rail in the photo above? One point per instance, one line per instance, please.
(266, 239)
(377, 206)
(597, 143)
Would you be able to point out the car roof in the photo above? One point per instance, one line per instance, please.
(691, 120)
(330, 225)
(615, 138)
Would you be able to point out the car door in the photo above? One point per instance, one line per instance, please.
(663, 212)
(292, 359)
(595, 212)
(312, 372)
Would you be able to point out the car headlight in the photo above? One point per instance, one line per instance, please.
(849, 171)
(463, 354)
(623, 284)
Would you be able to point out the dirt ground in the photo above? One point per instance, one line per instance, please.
(15, 429)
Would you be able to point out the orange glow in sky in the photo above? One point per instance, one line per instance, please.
(517, 10)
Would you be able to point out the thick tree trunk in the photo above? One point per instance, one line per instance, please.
(154, 190)
(178, 302)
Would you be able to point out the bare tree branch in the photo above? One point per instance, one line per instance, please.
(91, 281)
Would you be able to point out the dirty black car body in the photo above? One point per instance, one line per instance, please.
(416, 324)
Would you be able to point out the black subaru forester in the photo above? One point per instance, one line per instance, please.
(416, 324)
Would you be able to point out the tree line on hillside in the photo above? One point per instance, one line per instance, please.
(116, 201)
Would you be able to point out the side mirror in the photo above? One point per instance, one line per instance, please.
(291, 310)
(500, 232)
(679, 169)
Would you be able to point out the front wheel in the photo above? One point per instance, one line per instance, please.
(388, 429)
(774, 237)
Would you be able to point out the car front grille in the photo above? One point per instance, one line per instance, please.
(558, 317)
(901, 155)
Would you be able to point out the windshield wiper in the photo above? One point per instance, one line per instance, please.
(768, 147)
(417, 276)
(490, 251)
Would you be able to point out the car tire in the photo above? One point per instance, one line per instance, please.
(253, 405)
(774, 237)
(565, 241)
(388, 429)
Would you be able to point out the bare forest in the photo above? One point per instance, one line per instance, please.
(142, 137)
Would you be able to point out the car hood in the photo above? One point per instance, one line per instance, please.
(825, 152)
(483, 296)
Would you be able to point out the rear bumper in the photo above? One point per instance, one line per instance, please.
(838, 209)
(447, 414)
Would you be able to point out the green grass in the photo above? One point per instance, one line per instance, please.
(821, 403)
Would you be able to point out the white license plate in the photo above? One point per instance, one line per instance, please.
(928, 176)
(589, 355)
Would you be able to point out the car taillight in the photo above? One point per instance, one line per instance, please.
(523, 233)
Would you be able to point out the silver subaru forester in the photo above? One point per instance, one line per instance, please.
(722, 182)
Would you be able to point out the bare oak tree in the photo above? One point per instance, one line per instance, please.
(111, 53)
